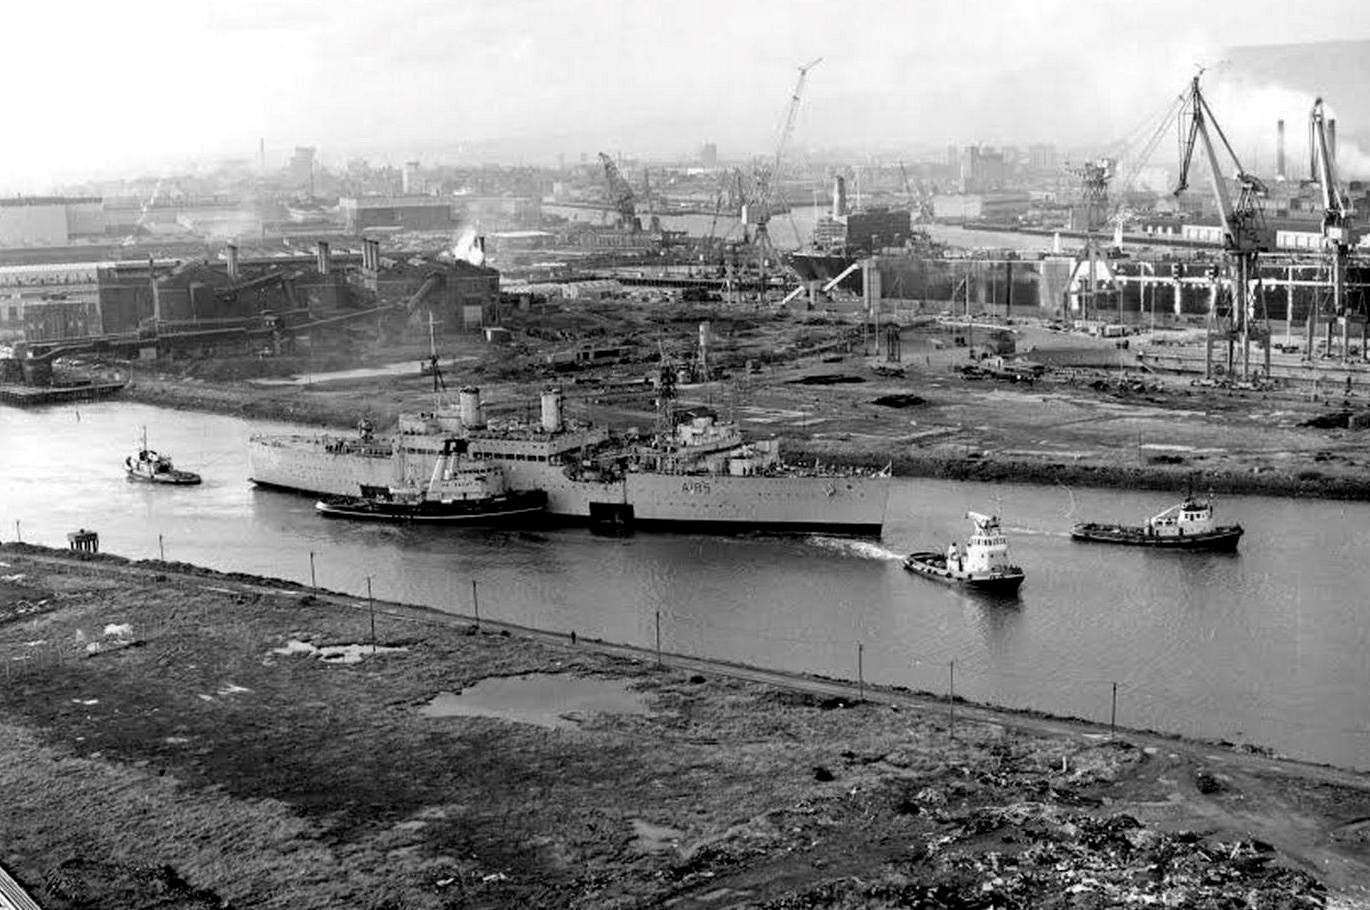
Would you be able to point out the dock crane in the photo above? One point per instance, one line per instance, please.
(769, 180)
(1338, 230)
(918, 199)
(1245, 234)
(620, 195)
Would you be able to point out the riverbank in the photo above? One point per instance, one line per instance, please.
(1296, 462)
(200, 738)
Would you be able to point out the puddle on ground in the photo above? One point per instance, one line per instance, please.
(544, 699)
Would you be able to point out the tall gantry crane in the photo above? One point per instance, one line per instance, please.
(620, 195)
(769, 180)
(1245, 234)
(1094, 177)
(1338, 230)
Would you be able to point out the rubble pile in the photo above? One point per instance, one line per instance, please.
(1046, 857)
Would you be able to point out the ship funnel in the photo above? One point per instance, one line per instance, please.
(468, 399)
(839, 196)
(551, 410)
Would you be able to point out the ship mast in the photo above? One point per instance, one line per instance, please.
(438, 385)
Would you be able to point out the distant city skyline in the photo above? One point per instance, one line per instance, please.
(149, 86)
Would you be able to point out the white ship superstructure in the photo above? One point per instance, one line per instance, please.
(704, 476)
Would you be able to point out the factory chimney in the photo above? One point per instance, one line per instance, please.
(325, 260)
(233, 261)
(371, 254)
(261, 155)
(839, 196)
(1332, 139)
(1279, 150)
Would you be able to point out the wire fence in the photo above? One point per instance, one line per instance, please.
(945, 672)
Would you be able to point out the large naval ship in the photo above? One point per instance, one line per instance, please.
(696, 474)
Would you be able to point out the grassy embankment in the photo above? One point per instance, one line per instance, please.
(182, 762)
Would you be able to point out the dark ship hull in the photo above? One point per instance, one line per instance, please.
(491, 510)
(1223, 540)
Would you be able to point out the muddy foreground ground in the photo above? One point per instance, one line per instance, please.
(157, 751)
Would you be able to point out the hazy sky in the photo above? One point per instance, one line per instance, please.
(115, 85)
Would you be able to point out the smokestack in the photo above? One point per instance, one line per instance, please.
(1279, 149)
(839, 196)
(1332, 139)
(371, 254)
(551, 410)
(233, 261)
(480, 245)
(261, 155)
(325, 260)
(468, 403)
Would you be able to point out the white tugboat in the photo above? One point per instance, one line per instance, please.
(983, 564)
(460, 491)
(1186, 525)
(150, 467)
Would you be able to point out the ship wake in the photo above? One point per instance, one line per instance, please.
(1036, 532)
(863, 549)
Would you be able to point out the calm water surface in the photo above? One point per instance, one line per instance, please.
(1268, 646)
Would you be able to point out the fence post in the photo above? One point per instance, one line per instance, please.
(18, 538)
(658, 637)
(371, 605)
(161, 551)
(1113, 713)
(860, 671)
(475, 602)
(951, 696)
(313, 580)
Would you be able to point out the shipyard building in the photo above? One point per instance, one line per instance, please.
(49, 220)
(409, 213)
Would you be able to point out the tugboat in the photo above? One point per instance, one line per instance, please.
(1185, 526)
(983, 565)
(459, 492)
(150, 467)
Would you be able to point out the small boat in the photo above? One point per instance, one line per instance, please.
(1185, 526)
(150, 467)
(461, 491)
(982, 565)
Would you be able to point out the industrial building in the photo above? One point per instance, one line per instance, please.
(413, 213)
(461, 296)
(49, 220)
(498, 212)
(300, 170)
(982, 170)
(980, 206)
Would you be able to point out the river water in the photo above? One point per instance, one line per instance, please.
(1268, 646)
